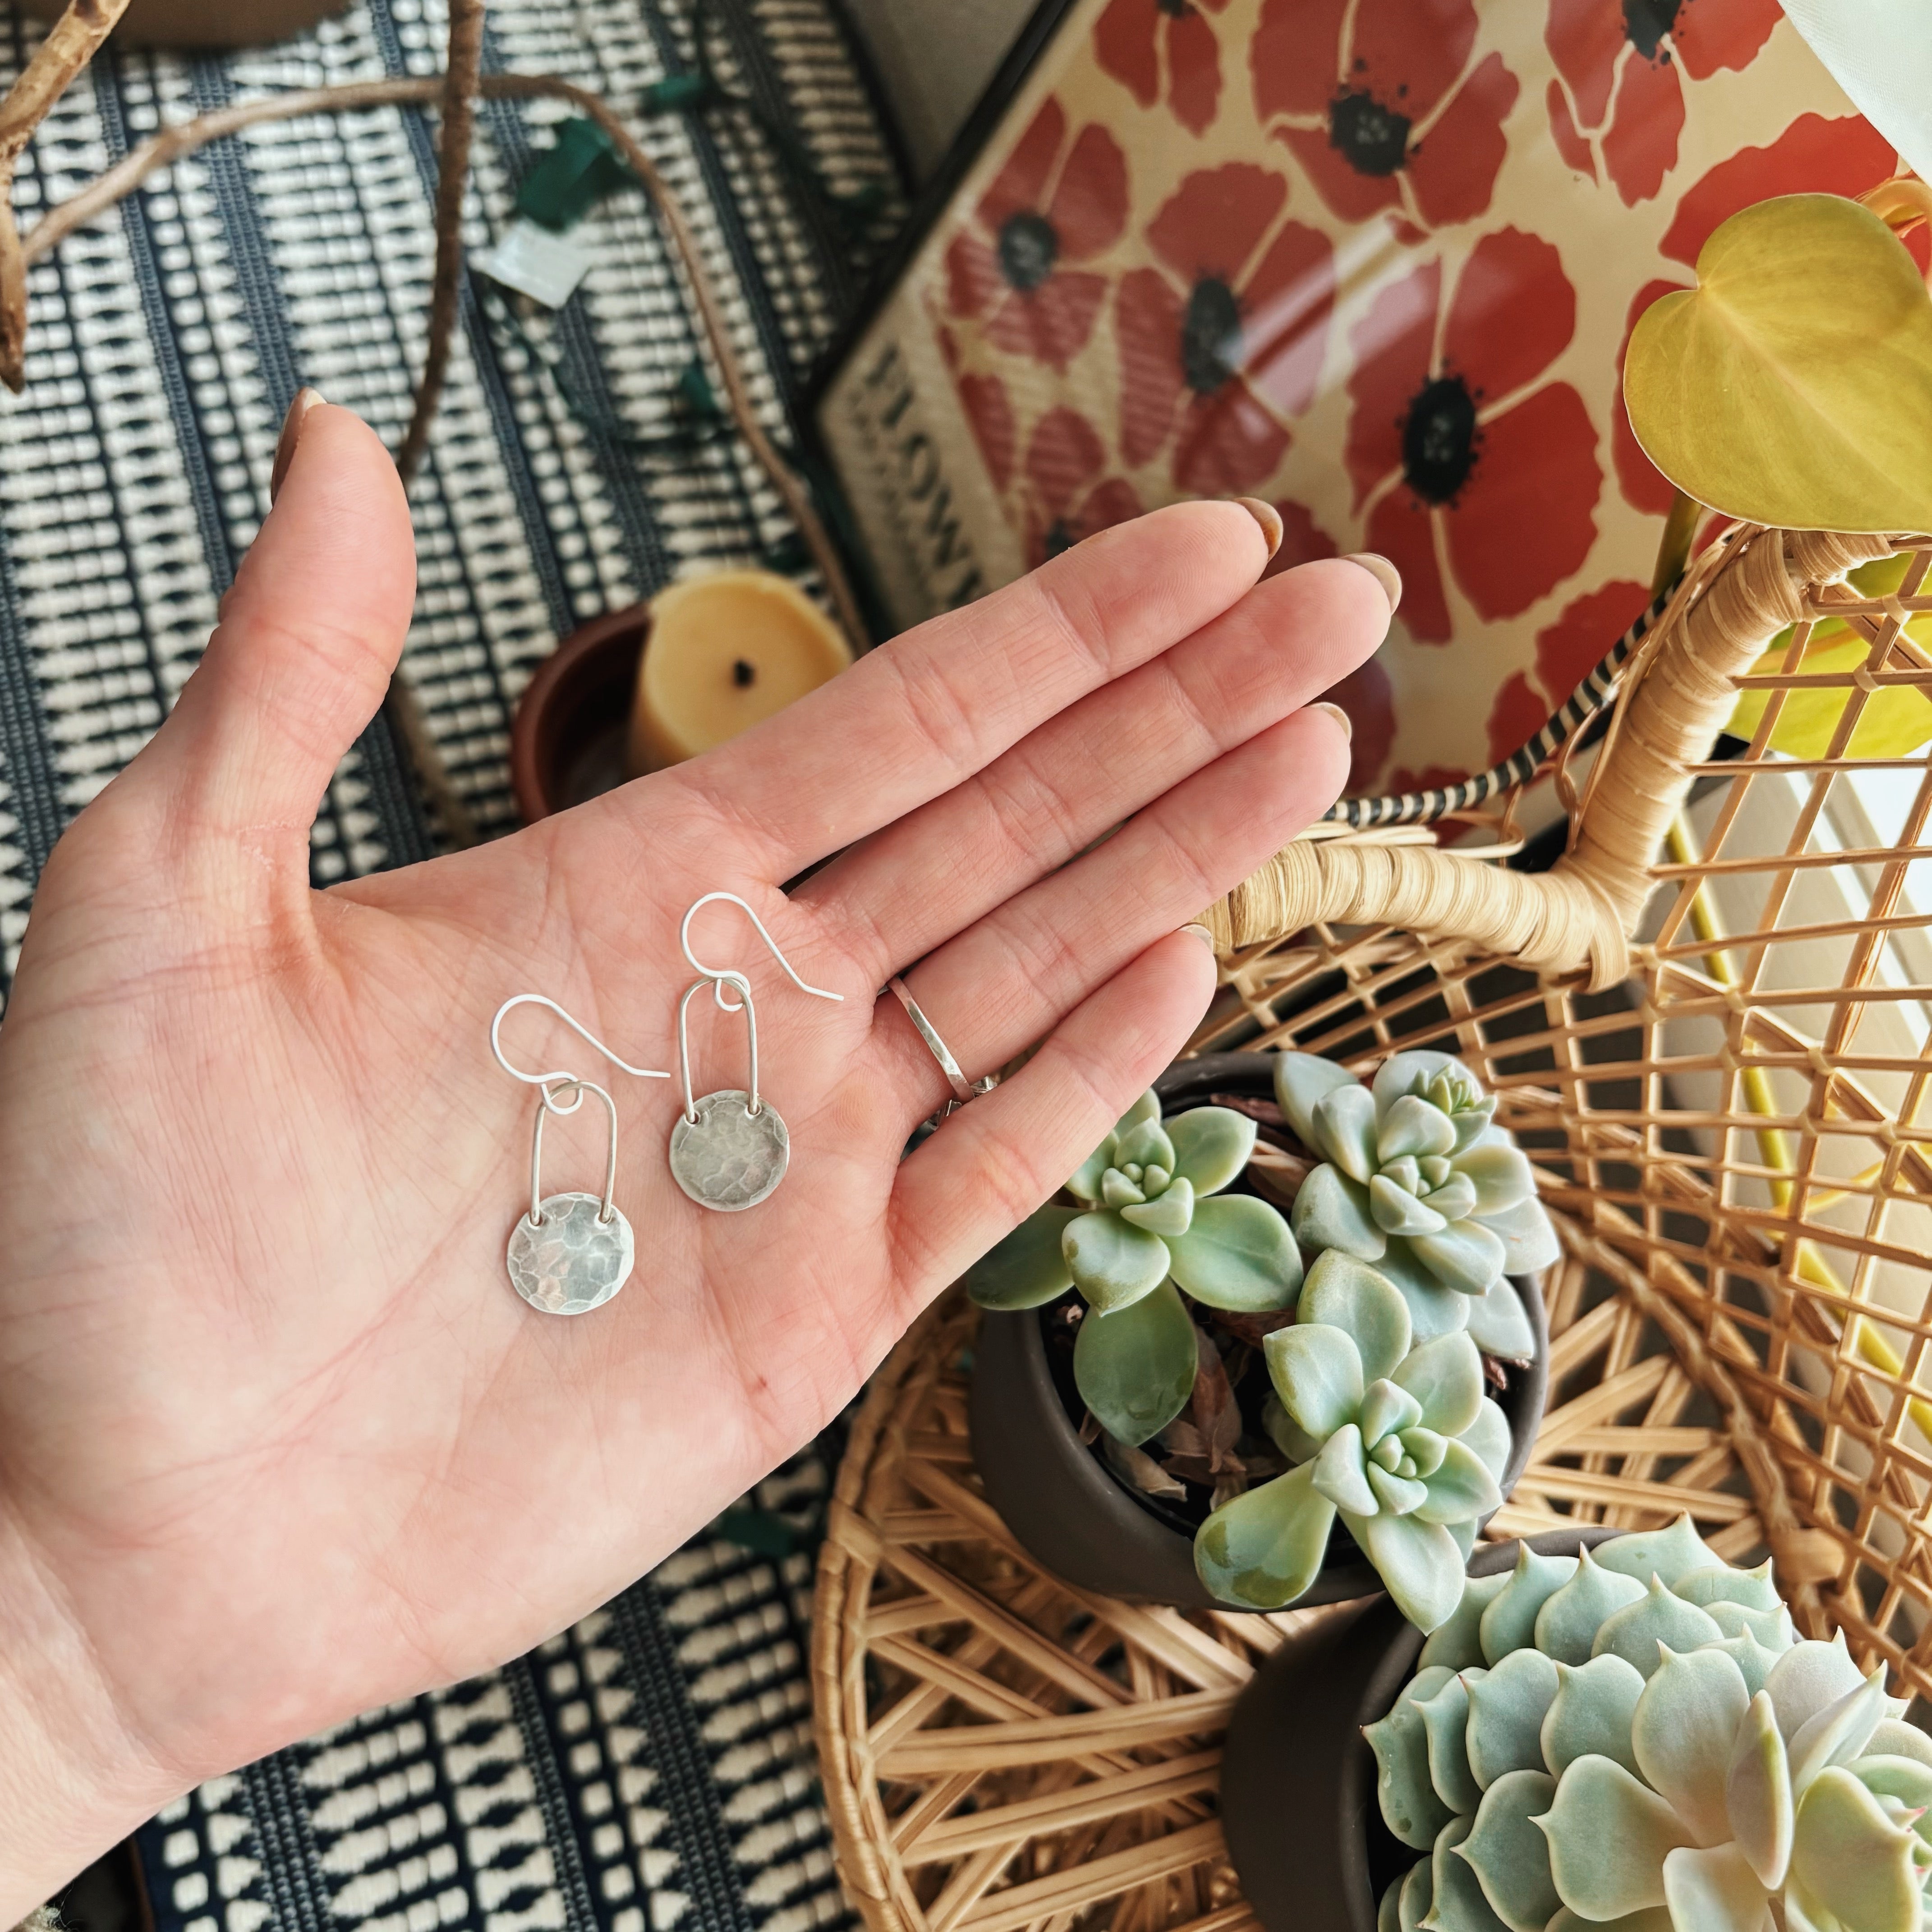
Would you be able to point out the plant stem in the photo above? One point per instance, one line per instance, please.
(1673, 547)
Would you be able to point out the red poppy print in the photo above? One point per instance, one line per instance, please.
(1225, 336)
(1616, 107)
(1567, 651)
(1406, 779)
(989, 415)
(1059, 201)
(1469, 463)
(1368, 696)
(1812, 156)
(1518, 714)
(1066, 494)
(1164, 50)
(1382, 102)
(1303, 539)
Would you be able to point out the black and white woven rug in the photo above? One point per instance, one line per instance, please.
(652, 1767)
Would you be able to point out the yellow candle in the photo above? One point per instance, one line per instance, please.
(723, 651)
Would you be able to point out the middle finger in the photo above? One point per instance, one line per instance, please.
(895, 897)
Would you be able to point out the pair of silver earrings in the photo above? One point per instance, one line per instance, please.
(571, 1252)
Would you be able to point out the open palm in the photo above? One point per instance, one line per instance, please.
(277, 1440)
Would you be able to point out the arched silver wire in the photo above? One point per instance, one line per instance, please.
(717, 978)
(546, 1104)
(560, 1075)
(744, 1006)
(721, 977)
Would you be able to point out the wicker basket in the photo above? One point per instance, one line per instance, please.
(1708, 1025)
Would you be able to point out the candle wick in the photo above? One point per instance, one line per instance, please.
(743, 674)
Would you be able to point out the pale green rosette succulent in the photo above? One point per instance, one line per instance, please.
(1152, 1214)
(1399, 1441)
(1636, 1739)
(1416, 1178)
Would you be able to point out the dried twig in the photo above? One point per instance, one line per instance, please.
(66, 50)
(172, 143)
(791, 492)
(452, 175)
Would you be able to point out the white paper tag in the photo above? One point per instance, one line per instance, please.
(534, 263)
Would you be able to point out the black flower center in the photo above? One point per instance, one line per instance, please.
(1647, 22)
(1058, 538)
(1210, 336)
(1175, 9)
(1372, 139)
(1028, 246)
(1438, 440)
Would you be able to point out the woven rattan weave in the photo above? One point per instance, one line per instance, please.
(1001, 1751)
(1734, 1122)
(1708, 1024)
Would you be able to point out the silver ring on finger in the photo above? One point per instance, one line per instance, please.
(963, 1089)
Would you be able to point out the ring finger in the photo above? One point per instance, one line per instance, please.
(1004, 982)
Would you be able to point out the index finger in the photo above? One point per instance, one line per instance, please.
(913, 718)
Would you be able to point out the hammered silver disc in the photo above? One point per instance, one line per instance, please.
(729, 1157)
(572, 1262)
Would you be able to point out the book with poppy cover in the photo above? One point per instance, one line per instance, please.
(1374, 260)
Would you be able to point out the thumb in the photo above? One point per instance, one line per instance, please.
(308, 636)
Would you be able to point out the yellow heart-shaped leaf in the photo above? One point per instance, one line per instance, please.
(1793, 386)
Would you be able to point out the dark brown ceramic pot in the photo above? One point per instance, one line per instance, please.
(567, 740)
(1061, 1501)
(1297, 1776)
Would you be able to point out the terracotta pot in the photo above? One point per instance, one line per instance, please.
(1297, 1777)
(1058, 1498)
(206, 23)
(567, 738)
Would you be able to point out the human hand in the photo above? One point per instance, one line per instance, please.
(277, 1441)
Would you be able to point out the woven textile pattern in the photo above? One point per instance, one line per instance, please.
(653, 1766)
(167, 340)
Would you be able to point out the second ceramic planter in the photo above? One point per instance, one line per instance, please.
(1056, 1495)
(1297, 1777)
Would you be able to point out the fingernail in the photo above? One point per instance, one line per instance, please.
(1383, 571)
(1340, 717)
(306, 399)
(1201, 933)
(1268, 517)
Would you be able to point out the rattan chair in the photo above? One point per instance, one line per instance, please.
(1707, 1022)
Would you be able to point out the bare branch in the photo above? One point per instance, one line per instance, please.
(68, 48)
(452, 175)
(172, 143)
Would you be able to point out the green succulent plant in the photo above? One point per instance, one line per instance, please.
(1398, 1439)
(1151, 1213)
(1416, 1178)
(1636, 1738)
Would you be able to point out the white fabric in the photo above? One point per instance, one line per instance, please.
(1880, 53)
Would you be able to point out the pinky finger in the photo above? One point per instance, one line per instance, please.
(992, 1163)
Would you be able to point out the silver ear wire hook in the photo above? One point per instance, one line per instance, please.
(571, 1252)
(721, 979)
(729, 1150)
(558, 1075)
